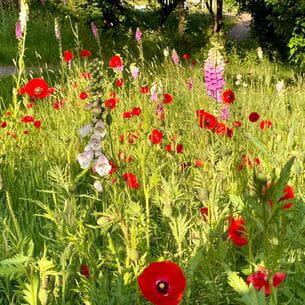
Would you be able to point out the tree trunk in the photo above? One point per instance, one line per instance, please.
(182, 18)
(218, 20)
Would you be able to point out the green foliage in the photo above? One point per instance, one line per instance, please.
(278, 24)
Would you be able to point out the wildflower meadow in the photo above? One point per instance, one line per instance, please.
(174, 178)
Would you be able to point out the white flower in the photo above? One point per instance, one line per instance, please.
(98, 186)
(279, 86)
(84, 131)
(259, 53)
(85, 158)
(95, 142)
(102, 166)
(238, 76)
(100, 129)
(166, 52)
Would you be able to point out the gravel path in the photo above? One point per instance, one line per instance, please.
(241, 30)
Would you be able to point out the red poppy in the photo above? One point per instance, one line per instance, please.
(83, 95)
(204, 213)
(265, 124)
(37, 124)
(186, 56)
(136, 111)
(27, 119)
(85, 53)
(168, 98)
(8, 113)
(169, 147)
(206, 120)
(230, 132)
(37, 88)
(179, 148)
(253, 117)
(156, 136)
(198, 163)
(162, 283)
(116, 62)
(237, 124)
(84, 270)
(26, 132)
(257, 161)
(260, 280)
(3, 124)
(29, 106)
(85, 75)
(111, 103)
(228, 96)
(144, 89)
(288, 191)
(114, 168)
(221, 129)
(119, 82)
(58, 104)
(237, 231)
(127, 115)
(68, 56)
(131, 180)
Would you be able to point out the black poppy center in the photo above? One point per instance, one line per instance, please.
(162, 287)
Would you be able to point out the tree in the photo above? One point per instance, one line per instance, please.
(216, 17)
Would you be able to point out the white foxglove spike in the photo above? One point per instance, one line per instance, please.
(102, 166)
(98, 186)
(95, 142)
(84, 131)
(85, 158)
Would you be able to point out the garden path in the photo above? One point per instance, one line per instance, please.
(241, 30)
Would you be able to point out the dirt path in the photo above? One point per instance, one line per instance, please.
(241, 30)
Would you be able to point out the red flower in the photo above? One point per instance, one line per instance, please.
(111, 103)
(288, 194)
(127, 115)
(37, 124)
(58, 104)
(37, 88)
(221, 129)
(162, 283)
(68, 56)
(119, 82)
(168, 147)
(228, 96)
(237, 231)
(114, 168)
(168, 98)
(116, 62)
(156, 136)
(179, 148)
(85, 53)
(85, 75)
(136, 111)
(186, 56)
(260, 280)
(230, 132)
(204, 213)
(3, 124)
(144, 89)
(29, 106)
(265, 124)
(257, 161)
(83, 95)
(253, 117)
(84, 270)
(27, 119)
(131, 180)
(198, 163)
(8, 113)
(237, 124)
(206, 120)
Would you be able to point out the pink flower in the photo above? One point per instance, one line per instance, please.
(18, 30)
(94, 30)
(175, 57)
(138, 35)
